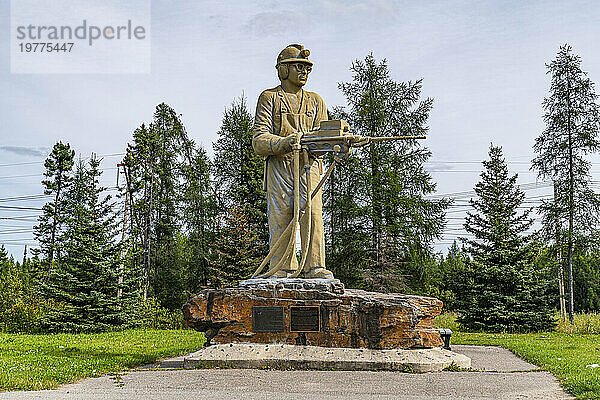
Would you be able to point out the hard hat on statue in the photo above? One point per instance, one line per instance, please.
(294, 53)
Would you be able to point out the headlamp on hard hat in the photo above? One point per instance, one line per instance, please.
(294, 53)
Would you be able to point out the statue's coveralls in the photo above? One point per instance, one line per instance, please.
(277, 116)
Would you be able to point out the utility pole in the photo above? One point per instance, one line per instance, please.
(146, 215)
(561, 282)
(134, 217)
(123, 235)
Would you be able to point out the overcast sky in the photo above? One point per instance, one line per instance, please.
(483, 63)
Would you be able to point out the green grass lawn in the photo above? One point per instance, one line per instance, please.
(33, 362)
(565, 354)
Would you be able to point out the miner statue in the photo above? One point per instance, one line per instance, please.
(283, 114)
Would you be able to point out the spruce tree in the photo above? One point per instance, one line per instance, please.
(199, 213)
(238, 170)
(140, 186)
(167, 272)
(497, 227)
(4, 259)
(84, 282)
(236, 257)
(387, 226)
(172, 210)
(59, 165)
(347, 239)
(153, 173)
(572, 118)
(455, 282)
(506, 292)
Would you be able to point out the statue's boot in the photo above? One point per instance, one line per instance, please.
(319, 273)
(282, 273)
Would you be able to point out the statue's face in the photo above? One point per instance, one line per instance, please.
(298, 73)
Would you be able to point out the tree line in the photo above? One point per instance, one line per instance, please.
(182, 221)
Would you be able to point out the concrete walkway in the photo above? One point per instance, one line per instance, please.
(503, 376)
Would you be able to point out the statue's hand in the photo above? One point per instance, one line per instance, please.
(290, 141)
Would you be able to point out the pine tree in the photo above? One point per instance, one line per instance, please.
(387, 226)
(238, 170)
(497, 227)
(84, 281)
(586, 272)
(199, 213)
(152, 165)
(455, 281)
(167, 274)
(171, 208)
(140, 187)
(235, 246)
(59, 165)
(347, 238)
(17, 297)
(4, 259)
(507, 292)
(572, 118)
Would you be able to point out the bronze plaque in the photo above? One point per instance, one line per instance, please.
(267, 319)
(304, 319)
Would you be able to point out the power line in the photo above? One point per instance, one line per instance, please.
(20, 218)
(15, 231)
(42, 161)
(472, 171)
(19, 176)
(14, 226)
(25, 198)
(39, 196)
(467, 193)
(21, 163)
(9, 208)
(41, 174)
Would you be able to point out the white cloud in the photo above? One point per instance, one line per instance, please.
(26, 151)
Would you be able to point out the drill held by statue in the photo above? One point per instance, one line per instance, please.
(333, 136)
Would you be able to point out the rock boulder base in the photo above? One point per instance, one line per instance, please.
(320, 315)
